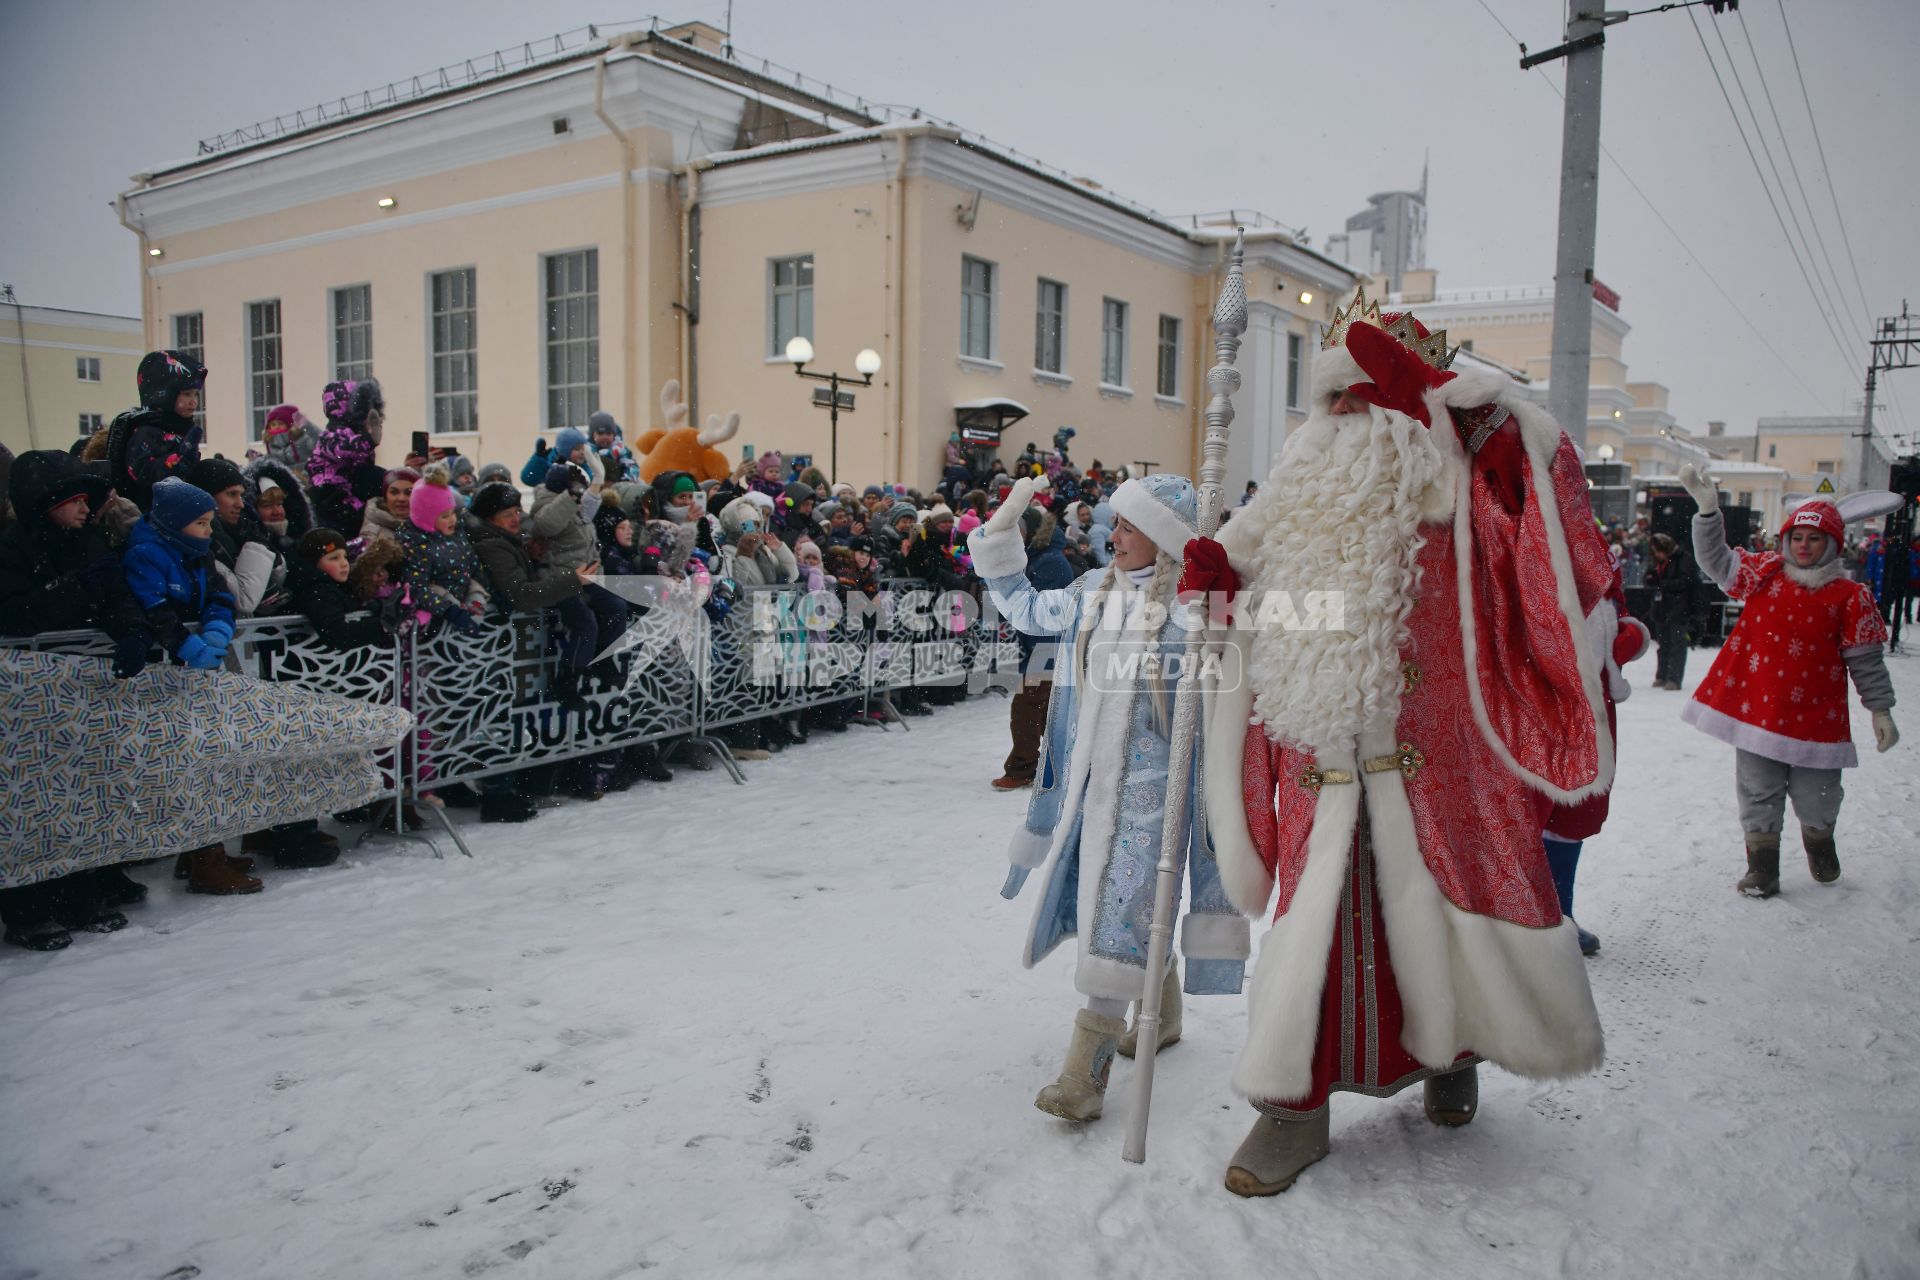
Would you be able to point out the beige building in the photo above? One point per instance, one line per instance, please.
(1814, 451)
(571, 231)
(63, 373)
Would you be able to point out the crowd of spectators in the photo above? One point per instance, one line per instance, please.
(133, 532)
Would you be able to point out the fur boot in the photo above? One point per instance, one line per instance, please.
(1276, 1152)
(1080, 1092)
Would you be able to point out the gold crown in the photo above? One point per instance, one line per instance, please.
(1432, 349)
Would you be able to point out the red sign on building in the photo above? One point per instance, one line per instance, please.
(1605, 296)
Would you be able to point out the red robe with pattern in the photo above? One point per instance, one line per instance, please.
(1438, 862)
(1779, 685)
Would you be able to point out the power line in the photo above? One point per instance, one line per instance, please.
(1767, 190)
(1832, 193)
(1794, 168)
(1678, 239)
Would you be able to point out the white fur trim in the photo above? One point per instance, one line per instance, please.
(1534, 427)
(1334, 370)
(1765, 742)
(1283, 997)
(1215, 937)
(1152, 517)
(1229, 711)
(997, 555)
(1514, 995)
(1603, 625)
(1028, 848)
(1813, 578)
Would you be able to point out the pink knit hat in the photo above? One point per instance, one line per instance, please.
(430, 501)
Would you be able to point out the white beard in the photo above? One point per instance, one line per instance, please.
(1345, 502)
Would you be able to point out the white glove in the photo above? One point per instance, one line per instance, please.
(1884, 734)
(1701, 487)
(1003, 520)
(589, 506)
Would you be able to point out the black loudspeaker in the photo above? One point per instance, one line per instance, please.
(1904, 478)
(1672, 514)
(1740, 524)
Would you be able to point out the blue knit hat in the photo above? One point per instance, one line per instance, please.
(177, 504)
(568, 439)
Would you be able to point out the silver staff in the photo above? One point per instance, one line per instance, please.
(1229, 322)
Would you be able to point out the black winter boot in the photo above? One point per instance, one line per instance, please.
(506, 806)
(1823, 858)
(1763, 865)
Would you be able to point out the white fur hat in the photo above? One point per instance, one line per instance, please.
(1162, 506)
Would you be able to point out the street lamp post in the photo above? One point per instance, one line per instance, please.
(800, 352)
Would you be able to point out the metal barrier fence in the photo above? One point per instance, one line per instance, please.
(484, 703)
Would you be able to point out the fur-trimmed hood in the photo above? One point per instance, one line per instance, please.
(299, 508)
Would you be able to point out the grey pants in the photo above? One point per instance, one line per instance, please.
(1763, 786)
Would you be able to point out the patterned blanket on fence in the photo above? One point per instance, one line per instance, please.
(99, 771)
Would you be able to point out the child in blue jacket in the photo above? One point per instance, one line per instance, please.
(169, 566)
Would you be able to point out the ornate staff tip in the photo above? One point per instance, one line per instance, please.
(1230, 311)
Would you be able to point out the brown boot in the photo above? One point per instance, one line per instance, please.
(183, 865)
(1007, 782)
(1763, 865)
(1823, 858)
(209, 870)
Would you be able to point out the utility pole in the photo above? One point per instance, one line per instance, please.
(1568, 377)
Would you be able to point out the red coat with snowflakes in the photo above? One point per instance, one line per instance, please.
(1779, 686)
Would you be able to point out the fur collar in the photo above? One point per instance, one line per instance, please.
(1815, 577)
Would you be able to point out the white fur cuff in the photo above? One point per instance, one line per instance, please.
(1210, 936)
(997, 555)
(1028, 848)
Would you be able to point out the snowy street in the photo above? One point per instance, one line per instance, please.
(781, 1030)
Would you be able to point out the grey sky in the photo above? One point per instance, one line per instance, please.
(1301, 108)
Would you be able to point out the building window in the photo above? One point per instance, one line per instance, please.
(976, 308)
(353, 333)
(1296, 347)
(573, 338)
(1773, 451)
(1823, 468)
(90, 423)
(1745, 499)
(456, 361)
(190, 339)
(1050, 328)
(1166, 371)
(86, 368)
(1113, 342)
(790, 305)
(263, 362)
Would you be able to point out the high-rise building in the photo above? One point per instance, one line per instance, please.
(1388, 238)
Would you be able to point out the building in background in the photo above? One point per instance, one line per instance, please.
(63, 373)
(1388, 239)
(1813, 451)
(509, 250)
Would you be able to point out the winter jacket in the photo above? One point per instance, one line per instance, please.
(1672, 591)
(290, 451)
(439, 569)
(253, 570)
(378, 524)
(771, 564)
(173, 585)
(345, 477)
(326, 604)
(59, 579)
(518, 583)
(929, 557)
(565, 524)
(299, 508)
(1047, 570)
(145, 446)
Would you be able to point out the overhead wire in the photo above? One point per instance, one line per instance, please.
(1698, 262)
(1773, 204)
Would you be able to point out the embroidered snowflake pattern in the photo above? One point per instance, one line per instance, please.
(1746, 706)
(1796, 647)
(1798, 695)
(1753, 663)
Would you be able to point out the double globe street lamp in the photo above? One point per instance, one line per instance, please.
(831, 397)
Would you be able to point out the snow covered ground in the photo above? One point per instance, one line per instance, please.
(780, 1030)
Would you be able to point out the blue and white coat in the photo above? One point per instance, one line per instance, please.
(1099, 797)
